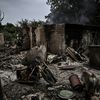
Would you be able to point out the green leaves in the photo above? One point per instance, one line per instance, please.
(72, 11)
(9, 31)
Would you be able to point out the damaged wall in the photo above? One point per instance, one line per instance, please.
(57, 36)
(56, 41)
(40, 35)
(1, 39)
(28, 37)
(26, 40)
(52, 36)
(82, 35)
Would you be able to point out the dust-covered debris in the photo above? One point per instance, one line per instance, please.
(21, 81)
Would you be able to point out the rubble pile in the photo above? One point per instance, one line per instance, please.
(8, 61)
(54, 82)
(51, 69)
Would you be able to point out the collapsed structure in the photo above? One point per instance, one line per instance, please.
(56, 53)
(58, 37)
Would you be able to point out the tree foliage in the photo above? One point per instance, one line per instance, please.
(72, 11)
(24, 23)
(11, 31)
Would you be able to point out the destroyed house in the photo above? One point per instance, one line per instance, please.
(59, 36)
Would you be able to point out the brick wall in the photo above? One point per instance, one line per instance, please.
(53, 36)
(56, 43)
(40, 36)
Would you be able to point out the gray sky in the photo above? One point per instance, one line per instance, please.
(15, 10)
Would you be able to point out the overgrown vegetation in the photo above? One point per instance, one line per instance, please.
(11, 31)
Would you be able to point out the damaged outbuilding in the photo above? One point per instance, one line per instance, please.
(57, 37)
